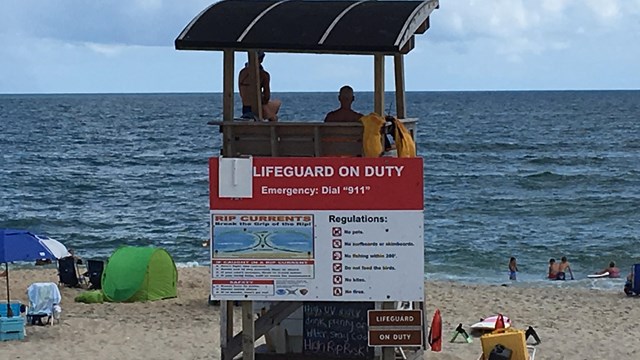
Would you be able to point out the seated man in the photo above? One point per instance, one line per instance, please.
(248, 93)
(77, 258)
(628, 285)
(344, 113)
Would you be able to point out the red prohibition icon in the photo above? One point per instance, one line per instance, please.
(336, 231)
(337, 243)
(337, 267)
(337, 255)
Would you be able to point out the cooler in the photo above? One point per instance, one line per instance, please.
(513, 340)
(15, 308)
(11, 328)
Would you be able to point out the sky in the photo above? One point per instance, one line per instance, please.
(126, 46)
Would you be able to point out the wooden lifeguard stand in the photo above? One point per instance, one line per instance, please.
(383, 29)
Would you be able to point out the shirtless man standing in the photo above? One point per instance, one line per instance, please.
(563, 268)
(344, 113)
(247, 93)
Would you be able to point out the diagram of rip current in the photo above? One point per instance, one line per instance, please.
(287, 241)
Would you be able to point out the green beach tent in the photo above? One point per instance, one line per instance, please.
(139, 274)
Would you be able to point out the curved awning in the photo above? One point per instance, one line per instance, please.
(314, 26)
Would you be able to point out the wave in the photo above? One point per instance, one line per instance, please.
(567, 161)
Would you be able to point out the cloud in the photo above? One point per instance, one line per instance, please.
(605, 11)
(519, 28)
(139, 22)
(127, 46)
(108, 50)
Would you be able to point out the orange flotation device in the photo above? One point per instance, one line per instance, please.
(435, 332)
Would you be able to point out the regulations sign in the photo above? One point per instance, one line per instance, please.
(324, 229)
(395, 327)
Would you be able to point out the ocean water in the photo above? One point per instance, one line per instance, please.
(528, 174)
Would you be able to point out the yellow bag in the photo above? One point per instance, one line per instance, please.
(371, 137)
(405, 145)
(512, 339)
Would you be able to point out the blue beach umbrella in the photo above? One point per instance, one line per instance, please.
(20, 245)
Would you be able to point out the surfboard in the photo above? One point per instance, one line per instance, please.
(595, 276)
(489, 323)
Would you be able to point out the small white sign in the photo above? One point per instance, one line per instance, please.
(235, 178)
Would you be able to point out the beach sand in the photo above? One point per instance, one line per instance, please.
(572, 323)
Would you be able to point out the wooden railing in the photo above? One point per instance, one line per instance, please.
(242, 138)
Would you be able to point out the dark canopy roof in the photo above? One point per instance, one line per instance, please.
(316, 26)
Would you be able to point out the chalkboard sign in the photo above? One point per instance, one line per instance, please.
(336, 329)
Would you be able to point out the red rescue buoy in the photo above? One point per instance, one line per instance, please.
(435, 332)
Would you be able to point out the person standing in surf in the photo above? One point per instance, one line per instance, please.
(513, 269)
(553, 269)
(563, 268)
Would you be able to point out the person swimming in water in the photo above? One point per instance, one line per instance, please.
(613, 271)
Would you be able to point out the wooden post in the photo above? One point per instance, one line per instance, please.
(254, 68)
(227, 86)
(248, 331)
(378, 81)
(398, 61)
(226, 326)
(261, 326)
(388, 353)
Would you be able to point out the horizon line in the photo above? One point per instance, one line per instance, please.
(319, 91)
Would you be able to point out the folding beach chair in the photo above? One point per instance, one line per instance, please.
(94, 273)
(44, 301)
(67, 272)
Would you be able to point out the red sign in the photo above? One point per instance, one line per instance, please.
(262, 262)
(242, 282)
(327, 183)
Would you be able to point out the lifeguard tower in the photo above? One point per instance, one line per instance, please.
(299, 218)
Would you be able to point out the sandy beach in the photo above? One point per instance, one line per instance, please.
(572, 323)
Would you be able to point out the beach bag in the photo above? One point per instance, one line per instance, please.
(405, 145)
(500, 352)
(371, 137)
(90, 297)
